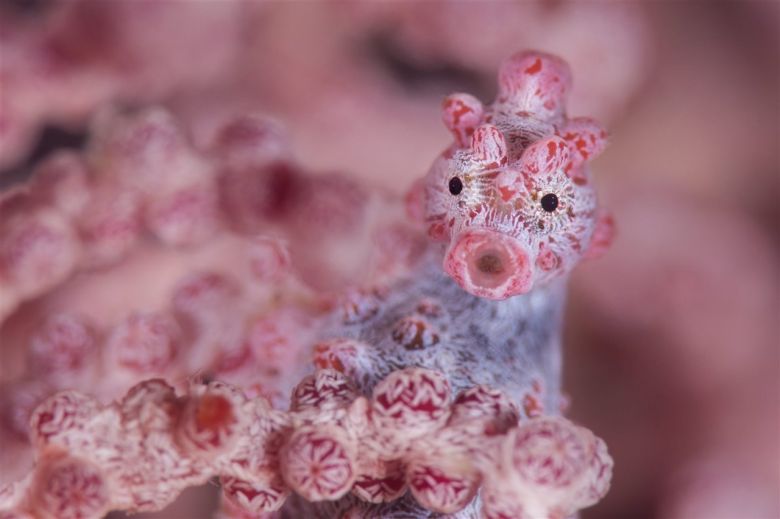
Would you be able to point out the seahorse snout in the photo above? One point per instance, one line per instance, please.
(489, 264)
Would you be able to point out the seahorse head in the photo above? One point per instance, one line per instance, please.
(513, 197)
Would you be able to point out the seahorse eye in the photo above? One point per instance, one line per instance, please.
(550, 202)
(456, 185)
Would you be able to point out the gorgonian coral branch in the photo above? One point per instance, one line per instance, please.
(514, 206)
(411, 433)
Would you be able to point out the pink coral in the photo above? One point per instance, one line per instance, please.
(88, 456)
(420, 383)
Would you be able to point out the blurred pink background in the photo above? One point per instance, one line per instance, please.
(672, 339)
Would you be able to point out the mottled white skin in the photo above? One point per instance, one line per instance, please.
(503, 344)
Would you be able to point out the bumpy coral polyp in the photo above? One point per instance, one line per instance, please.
(318, 463)
(254, 498)
(209, 421)
(342, 355)
(487, 405)
(63, 346)
(547, 454)
(38, 249)
(439, 489)
(62, 180)
(414, 400)
(61, 417)
(386, 484)
(185, 216)
(110, 224)
(70, 488)
(138, 454)
(325, 389)
(145, 343)
(549, 467)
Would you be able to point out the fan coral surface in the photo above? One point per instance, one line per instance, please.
(430, 388)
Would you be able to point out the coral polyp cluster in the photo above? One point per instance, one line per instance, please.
(88, 211)
(142, 177)
(429, 385)
(410, 435)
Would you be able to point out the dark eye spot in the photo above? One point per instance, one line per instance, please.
(456, 185)
(550, 202)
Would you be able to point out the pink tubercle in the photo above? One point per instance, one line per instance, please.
(602, 236)
(64, 344)
(535, 82)
(209, 421)
(70, 488)
(145, 343)
(252, 497)
(318, 463)
(57, 415)
(461, 114)
(439, 489)
(412, 398)
(187, 216)
(386, 485)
